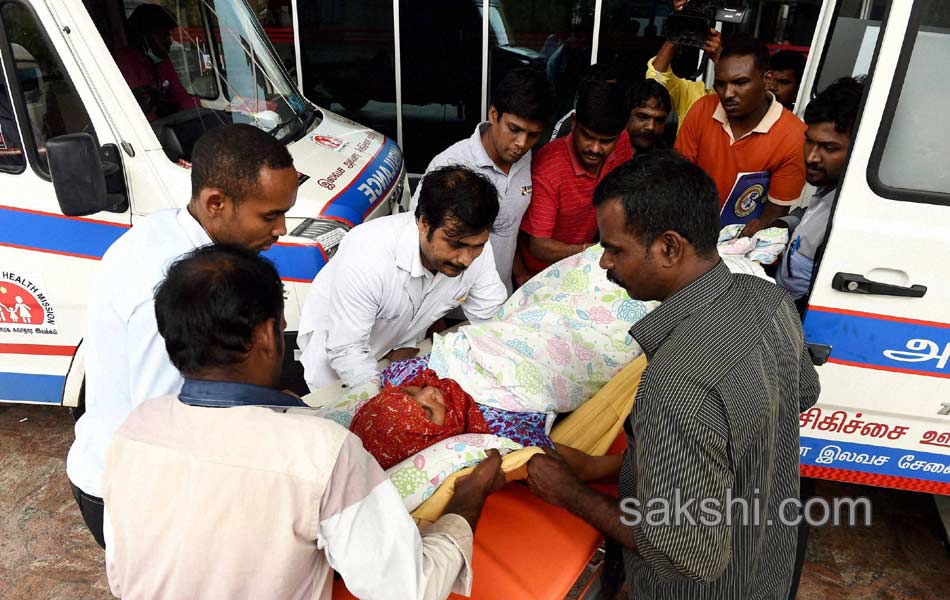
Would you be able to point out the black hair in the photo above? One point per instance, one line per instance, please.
(645, 90)
(662, 191)
(461, 195)
(231, 157)
(526, 93)
(146, 19)
(788, 60)
(210, 302)
(599, 71)
(837, 104)
(746, 45)
(600, 107)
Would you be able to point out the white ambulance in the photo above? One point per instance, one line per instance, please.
(878, 317)
(80, 162)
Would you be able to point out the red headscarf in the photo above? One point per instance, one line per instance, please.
(393, 426)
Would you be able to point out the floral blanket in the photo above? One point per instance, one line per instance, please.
(553, 344)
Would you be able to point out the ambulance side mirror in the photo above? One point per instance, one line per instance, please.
(87, 179)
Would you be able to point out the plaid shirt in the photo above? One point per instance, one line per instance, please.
(716, 416)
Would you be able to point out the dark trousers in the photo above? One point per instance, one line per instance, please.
(807, 493)
(91, 509)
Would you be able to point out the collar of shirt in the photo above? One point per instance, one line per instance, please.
(772, 115)
(222, 394)
(653, 329)
(193, 229)
(484, 161)
(408, 252)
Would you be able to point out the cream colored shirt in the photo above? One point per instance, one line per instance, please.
(255, 502)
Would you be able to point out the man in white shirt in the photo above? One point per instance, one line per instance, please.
(500, 149)
(243, 183)
(393, 277)
(232, 489)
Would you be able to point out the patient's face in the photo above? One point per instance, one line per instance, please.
(430, 399)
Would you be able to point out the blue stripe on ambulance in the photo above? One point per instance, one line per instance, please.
(876, 341)
(880, 460)
(28, 387)
(356, 201)
(90, 239)
(54, 233)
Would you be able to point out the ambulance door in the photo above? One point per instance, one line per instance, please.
(47, 258)
(879, 309)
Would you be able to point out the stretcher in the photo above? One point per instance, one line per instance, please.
(524, 547)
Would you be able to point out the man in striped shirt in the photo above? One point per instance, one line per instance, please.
(712, 440)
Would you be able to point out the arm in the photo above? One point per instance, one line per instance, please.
(552, 479)
(785, 186)
(677, 455)
(771, 212)
(550, 250)
(487, 293)
(791, 220)
(155, 375)
(689, 136)
(354, 303)
(373, 543)
(590, 468)
(519, 271)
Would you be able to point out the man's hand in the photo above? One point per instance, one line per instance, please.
(487, 477)
(678, 4)
(472, 489)
(752, 227)
(402, 354)
(551, 479)
(713, 45)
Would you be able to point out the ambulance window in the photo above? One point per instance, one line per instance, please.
(910, 156)
(52, 103)
(190, 51)
(11, 150)
(851, 42)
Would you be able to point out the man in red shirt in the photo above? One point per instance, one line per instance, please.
(561, 219)
(745, 129)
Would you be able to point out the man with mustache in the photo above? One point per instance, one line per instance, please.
(243, 182)
(830, 118)
(561, 220)
(745, 129)
(715, 423)
(500, 149)
(650, 105)
(393, 277)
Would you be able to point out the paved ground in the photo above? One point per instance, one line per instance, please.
(46, 552)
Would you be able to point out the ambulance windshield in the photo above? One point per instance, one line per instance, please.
(194, 65)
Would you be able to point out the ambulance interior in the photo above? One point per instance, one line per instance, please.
(224, 69)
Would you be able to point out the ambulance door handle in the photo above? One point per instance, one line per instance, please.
(853, 283)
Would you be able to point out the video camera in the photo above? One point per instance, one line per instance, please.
(690, 25)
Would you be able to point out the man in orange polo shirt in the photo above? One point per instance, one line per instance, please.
(745, 129)
(561, 219)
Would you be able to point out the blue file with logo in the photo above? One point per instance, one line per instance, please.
(746, 199)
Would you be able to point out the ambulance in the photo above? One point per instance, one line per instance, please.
(83, 157)
(878, 315)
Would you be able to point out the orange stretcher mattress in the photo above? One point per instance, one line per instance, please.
(525, 548)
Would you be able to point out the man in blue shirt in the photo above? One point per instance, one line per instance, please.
(830, 118)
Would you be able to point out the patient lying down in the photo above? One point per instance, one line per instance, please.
(405, 419)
